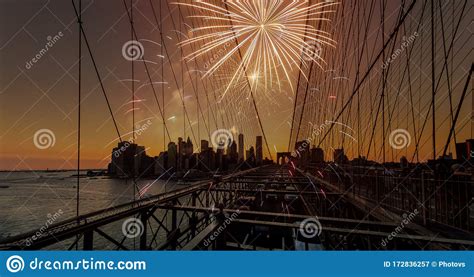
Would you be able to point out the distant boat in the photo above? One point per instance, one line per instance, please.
(92, 173)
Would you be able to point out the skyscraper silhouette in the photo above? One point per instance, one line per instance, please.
(241, 148)
(259, 150)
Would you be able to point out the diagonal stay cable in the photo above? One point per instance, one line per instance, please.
(148, 74)
(97, 72)
(297, 87)
(186, 115)
(195, 90)
(468, 79)
(367, 73)
(251, 91)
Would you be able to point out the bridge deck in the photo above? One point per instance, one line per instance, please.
(268, 216)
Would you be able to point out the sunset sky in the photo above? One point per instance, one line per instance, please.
(44, 94)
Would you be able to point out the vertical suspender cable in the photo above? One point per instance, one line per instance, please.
(79, 21)
(433, 91)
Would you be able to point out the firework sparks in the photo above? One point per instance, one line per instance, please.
(270, 37)
(253, 80)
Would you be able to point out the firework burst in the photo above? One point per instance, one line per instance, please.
(271, 37)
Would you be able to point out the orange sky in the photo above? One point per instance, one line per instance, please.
(43, 95)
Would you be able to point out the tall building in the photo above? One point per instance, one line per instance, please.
(317, 155)
(251, 156)
(128, 159)
(181, 145)
(187, 155)
(205, 157)
(160, 163)
(139, 157)
(212, 159)
(259, 150)
(181, 153)
(233, 155)
(220, 158)
(339, 156)
(189, 148)
(241, 148)
(117, 164)
(465, 150)
(404, 162)
(172, 156)
(303, 152)
(204, 145)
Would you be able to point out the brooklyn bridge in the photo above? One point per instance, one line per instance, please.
(310, 125)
